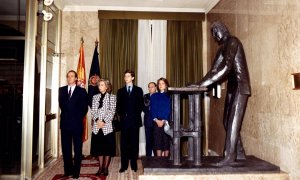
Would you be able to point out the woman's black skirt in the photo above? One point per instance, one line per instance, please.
(161, 139)
(103, 145)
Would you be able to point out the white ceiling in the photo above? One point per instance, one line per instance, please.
(9, 8)
(138, 5)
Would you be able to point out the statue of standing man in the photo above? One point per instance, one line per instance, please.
(230, 63)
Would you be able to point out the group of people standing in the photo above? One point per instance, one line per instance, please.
(229, 63)
(129, 103)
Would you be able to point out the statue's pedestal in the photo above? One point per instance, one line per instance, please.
(243, 176)
(163, 166)
(196, 166)
(193, 133)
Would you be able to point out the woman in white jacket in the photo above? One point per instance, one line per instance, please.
(103, 137)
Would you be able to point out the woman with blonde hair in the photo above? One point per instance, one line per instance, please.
(103, 137)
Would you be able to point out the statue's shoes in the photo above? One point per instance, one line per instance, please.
(241, 156)
(227, 161)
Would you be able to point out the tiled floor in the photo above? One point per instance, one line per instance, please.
(91, 167)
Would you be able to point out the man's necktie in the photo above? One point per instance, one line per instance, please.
(69, 93)
(128, 90)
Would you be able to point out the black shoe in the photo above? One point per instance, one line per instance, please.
(122, 170)
(75, 176)
(105, 172)
(99, 172)
(66, 175)
(226, 161)
(241, 156)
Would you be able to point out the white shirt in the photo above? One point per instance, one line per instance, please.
(129, 85)
(72, 88)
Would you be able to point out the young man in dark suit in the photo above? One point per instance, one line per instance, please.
(130, 104)
(73, 103)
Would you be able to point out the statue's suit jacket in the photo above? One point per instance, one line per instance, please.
(230, 63)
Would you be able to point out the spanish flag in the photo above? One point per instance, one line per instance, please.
(82, 82)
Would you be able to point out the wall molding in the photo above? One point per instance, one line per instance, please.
(127, 8)
(11, 18)
(178, 16)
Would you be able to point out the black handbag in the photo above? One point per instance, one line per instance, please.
(116, 123)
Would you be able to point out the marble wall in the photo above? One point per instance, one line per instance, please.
(270, 33)
(74, 26)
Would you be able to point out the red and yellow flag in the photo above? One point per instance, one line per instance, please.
(82, 82)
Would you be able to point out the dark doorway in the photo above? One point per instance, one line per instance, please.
(11, 98)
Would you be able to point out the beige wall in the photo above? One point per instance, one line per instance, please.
(74, 26)
(270, 33)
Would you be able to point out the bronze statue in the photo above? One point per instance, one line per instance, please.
(230, 63)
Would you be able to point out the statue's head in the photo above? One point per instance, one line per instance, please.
(219, 31)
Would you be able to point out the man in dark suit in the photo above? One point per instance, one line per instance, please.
(73, 103)
(148, 121)
(130, 104)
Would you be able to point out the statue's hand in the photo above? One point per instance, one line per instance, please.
(202, 86)
(192, 85)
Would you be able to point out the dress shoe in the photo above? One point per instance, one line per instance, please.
(240, 154)
(105, 172)
(227, 161)
(122, 170)
(99, 172)
(66, 175)
(75, 176)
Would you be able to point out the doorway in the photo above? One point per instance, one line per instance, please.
(11, 89)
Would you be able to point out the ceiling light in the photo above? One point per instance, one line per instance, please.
(47, 15)
(48, 2)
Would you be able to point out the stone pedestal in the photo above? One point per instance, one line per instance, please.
(244, 176)
(163, 166)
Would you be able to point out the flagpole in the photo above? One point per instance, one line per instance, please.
(81, 40)
(82, 78)
(96, 42)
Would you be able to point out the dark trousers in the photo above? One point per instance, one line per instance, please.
(67, 136)
(235, 106)
(149, 140)
(129, 147)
